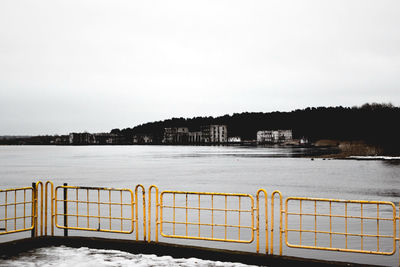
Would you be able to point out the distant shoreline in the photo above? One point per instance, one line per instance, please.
(324, 149)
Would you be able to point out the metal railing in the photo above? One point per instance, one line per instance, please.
(343, 218)
(17, 209)
(194, 212)
(95, 209)
(368, 227)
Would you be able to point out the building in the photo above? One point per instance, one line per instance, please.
(176, 135)
(195, 137)
(107, 139)
(214, 134)
(234, 139)
(142, 139)
(61, 140)
(81, 139)
(274, 136)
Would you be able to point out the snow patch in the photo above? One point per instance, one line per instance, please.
(86, 257)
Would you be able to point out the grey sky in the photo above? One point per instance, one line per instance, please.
(96, 65)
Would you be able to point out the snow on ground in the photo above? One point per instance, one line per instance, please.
(87, 257)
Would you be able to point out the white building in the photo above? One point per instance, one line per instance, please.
(234, 139)
(214, 134)
(195, 137)
(274, 136)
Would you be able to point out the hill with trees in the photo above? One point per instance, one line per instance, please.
(375, 124)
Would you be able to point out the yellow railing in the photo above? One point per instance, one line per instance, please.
(91, 209)
(17, 207)
(306, 223)
(343, 218)
(194, 209)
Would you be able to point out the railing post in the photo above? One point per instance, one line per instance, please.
(65, 210)
(272, 222)
(33, 210)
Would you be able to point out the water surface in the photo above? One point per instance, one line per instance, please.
(209, 169)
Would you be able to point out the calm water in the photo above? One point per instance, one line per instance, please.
(213, 169)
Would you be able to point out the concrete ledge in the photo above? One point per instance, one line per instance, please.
(14, 248)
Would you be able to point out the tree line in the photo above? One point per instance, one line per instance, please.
(373, 123)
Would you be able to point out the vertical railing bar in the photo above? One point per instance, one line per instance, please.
(186, 211)
(41, 208)
(300, 220)
(121, 210)
(149, 212)
(45, 208)
(239, 216)
(137, 212)
(266, 221)
(33, 210)
(280, 224)
(161, 214)
(330, 224)
(362, 227)
(345, 218)
(98, 208)
(15, 210)
(77, 208)
(315, 222)
(24, 208)
(377, 226)
(199, 214)
(87, 206)
(257, 228)
(52, 218)
(173, 225)
(226, 214)
(65, 196)
(109, 206)
(134, 211)
(144, 211)
(272, 222)
(5, 213)
(212, 216)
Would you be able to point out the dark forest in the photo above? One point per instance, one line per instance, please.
(376, 124)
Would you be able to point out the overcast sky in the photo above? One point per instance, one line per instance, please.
(96, 65)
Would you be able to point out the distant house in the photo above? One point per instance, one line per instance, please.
(304, 141)
(81, 139)
(176, 135)
(214, 134)
(234, 139)
(61, 140)
(195, 137)
(142, 139)
(274, 136)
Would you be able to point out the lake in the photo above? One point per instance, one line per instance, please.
(209, 169)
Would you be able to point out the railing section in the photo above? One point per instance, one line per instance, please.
(17, 210)
(94, 209)
(207, 216)
(341, 225)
